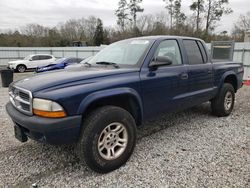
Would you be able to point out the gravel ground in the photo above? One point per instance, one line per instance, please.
(187, 149)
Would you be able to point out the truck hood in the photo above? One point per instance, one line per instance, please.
(47, 80)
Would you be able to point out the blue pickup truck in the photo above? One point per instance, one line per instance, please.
(100, 105)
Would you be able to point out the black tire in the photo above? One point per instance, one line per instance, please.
(93, 127)
(21, 68)
(218, 103)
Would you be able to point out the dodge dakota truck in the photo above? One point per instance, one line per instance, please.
(99, 105)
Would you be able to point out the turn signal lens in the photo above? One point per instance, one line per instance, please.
(47, 108)
(57, 114)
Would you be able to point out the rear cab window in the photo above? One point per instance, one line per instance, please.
(203, 51)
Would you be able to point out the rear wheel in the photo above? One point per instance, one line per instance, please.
(107, 139)
(21, 68)
(223, 103)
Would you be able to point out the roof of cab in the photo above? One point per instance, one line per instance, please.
(156, 37)
(40, 54)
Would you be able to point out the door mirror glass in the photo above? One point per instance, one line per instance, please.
(160, 61)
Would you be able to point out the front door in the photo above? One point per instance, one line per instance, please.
(164, 88)
(44, 60)
(33, 62)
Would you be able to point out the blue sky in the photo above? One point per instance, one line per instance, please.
(16, 13)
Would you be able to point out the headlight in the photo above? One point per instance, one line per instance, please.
(47, 108)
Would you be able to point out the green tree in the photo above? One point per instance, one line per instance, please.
(99, 33)
(198, 7)
(122, 14)
(214, 10)
(179, 16)
(170, 8)
(134, 9)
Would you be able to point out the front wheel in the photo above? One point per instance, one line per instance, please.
(21, 68)
(108, 139)
(223, 103)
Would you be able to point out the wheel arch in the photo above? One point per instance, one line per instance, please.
(126, 98)
(20, 65)
(230, 78)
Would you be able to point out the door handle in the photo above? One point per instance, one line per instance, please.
(184, 76)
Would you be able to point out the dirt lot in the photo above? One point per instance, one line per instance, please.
(186, 149)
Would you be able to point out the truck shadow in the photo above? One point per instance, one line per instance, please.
(165, 121)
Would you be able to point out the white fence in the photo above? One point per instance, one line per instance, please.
(241, 53)
(12, 53)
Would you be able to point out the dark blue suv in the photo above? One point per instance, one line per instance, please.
(100, 104)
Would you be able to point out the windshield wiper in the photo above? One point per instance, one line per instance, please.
(87, 63)
(107, 63)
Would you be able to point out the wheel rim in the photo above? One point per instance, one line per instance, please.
(21, 68)
(228, 100)
(113, 141)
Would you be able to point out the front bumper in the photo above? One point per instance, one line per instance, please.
(10, 67)
(47, 130)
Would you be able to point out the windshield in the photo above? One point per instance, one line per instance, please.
(27, 57)
(59, 60)
(86, 59)
(127, 52)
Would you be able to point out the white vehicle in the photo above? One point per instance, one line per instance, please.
(31, 62)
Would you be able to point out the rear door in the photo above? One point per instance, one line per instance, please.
(45, 60)
(200, 71)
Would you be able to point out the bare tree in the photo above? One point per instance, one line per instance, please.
(241, 26)
(152, 24)
(35, 30)
(244, 21)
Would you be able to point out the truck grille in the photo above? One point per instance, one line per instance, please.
(21, 99)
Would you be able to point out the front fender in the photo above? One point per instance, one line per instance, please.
(109, 93)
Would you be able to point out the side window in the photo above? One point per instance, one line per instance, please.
(43, 57)
(72, 60)
(170, 49)
(203, 52)
(193, 52)
(78, 60)
(35, 58)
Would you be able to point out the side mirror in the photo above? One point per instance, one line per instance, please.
(160, 61)
(30, 59)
